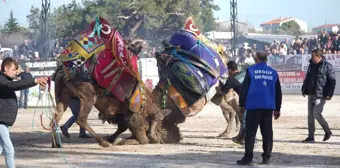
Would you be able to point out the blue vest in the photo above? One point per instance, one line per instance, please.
(262, 88)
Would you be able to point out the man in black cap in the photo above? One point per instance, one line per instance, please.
(260, 96)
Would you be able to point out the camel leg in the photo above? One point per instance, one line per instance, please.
(138, 127)
(122, 127)
(152, 135)
(238, 117)
(61, 107)
(228, 113)
(156, 117)
(85, 109)
(227, 118)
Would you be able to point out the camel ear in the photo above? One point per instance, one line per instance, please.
(166, 112)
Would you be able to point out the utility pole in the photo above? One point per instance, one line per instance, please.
(45, 15)
(234, 27)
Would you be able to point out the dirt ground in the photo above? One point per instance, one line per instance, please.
(199, 148)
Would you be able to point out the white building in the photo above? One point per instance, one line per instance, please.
(327, 27)
(214, 35)
(276, 23)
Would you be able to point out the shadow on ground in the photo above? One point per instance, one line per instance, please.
(207, 159)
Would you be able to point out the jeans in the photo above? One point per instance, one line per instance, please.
(23, 98)
(315, 108)
(75, 108)
(243, 131)
(254, 118)
(6, 146)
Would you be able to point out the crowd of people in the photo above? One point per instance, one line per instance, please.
(327, 43)
(30, 50)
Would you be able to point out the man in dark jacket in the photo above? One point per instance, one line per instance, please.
(260, 96)
(234, 82)
(319, 85)
(8, 104)
(235, 78)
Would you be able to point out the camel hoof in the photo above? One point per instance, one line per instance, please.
(105, 144)
(56, 145)
(224, 135)
(143, 141)
(154, 139)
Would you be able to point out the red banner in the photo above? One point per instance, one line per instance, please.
(291, 79)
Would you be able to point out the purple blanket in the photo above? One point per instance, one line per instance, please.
(188, 41)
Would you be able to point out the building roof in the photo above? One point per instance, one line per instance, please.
(277, 21)
(326, 25)
(268, 38)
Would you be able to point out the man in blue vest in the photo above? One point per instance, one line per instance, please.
(260, 96)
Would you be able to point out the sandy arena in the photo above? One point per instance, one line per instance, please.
(199, 148)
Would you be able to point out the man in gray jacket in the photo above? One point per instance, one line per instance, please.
(319, 85)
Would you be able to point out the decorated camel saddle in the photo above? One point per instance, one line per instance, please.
(103, 54)
(191, 65)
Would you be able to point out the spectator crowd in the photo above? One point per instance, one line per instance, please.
(328, 43)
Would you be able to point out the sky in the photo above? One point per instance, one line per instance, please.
(254, 12)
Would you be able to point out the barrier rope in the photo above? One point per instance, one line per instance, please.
(47, 102)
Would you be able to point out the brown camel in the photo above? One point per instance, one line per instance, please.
(227, 103)
(114, 111)
(168, 131)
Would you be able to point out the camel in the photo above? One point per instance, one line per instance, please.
(182, 89)
(94, 65)
(159, 123)
(110, 109)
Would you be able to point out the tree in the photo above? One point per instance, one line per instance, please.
(12, 25)
(132, 17)
(147, 19)
(67, 19)
(291, 27)
(207, 14)
(177, 11)
(34, 22)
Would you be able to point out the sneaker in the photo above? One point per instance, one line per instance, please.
(245, 162)
(327, 136)
(266, 160)
(308, 140)
(85, 136)
(65, 132)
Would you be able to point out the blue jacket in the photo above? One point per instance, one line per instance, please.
(261, 88)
